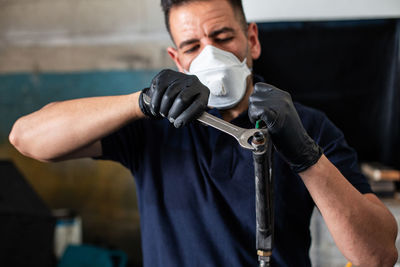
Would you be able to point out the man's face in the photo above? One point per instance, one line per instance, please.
(200, 23)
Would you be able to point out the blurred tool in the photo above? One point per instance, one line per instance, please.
(262, 158)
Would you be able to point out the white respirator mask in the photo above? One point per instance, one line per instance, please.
(223, 73)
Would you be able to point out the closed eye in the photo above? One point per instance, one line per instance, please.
(223, 40)
(192, 49)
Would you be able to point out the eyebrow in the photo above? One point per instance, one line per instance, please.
(219, 31)
(188, 42)
(211, 35)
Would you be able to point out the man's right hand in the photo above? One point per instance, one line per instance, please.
(175, 95)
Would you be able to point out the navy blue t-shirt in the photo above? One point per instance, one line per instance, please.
(196, 191)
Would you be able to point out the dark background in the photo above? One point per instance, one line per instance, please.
(348, 69)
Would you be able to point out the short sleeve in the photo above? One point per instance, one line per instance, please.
(125, 145)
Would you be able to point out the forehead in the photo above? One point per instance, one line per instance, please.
(200, 18)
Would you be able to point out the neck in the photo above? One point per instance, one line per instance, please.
(232, 113)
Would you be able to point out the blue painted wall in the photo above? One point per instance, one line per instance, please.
(24, 93)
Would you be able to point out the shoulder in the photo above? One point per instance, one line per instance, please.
(318, 125)
(308, 113)
(312, 119)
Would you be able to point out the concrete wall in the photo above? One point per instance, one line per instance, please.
(80, 21)
(76, 35)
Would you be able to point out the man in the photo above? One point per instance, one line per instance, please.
(195, 184)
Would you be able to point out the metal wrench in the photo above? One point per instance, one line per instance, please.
(242, 135)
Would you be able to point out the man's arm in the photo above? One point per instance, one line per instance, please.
(363, 228)
(73, 128)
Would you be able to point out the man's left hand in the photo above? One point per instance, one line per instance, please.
(276, 109)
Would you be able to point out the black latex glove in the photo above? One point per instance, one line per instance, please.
(276, 109)
(175, 95)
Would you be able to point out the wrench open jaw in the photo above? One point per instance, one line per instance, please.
(242, 135)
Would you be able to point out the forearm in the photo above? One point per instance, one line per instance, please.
(61, 128)
(363, 229)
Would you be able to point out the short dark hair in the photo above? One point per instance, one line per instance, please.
(168, 4)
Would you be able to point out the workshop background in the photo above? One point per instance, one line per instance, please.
(52, 50)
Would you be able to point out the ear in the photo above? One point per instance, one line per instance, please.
(173, 53)
(254, 42)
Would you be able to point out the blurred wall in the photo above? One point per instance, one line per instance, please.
(53, 50)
